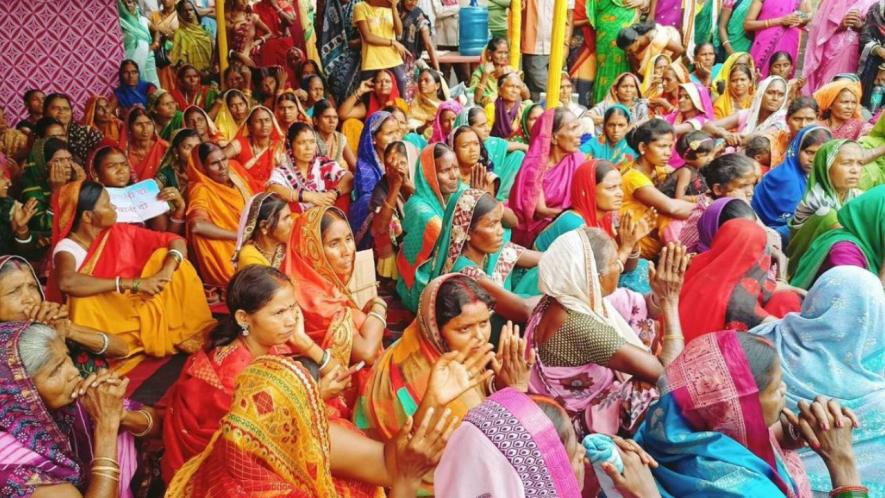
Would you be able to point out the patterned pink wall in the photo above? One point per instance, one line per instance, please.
(71, 46)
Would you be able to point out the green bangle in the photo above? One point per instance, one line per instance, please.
(135, 285)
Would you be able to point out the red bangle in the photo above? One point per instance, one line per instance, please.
(849, 492)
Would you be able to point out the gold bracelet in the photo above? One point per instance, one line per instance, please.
(673, 337)
(377, 315)
(150, 422)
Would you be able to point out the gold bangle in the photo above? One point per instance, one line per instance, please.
(105, 467)
(106, 459)
(107, 476)
(673, 337)
(380, 318)
(150, 422)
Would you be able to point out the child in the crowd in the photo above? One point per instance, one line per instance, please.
(758, 148)
(686, 183)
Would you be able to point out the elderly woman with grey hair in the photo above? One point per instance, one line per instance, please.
(588, 355)
(65, 436)
(22, 299)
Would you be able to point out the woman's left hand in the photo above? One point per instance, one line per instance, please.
(456, 372)
(512, 365)
(666, 280)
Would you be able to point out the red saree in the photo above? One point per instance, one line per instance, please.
(728, 287)
(584, 198)
(147, 167)
(198, 401)
(260, 164)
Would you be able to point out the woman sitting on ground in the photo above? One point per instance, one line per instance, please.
(264, 231)
(198, 120)
(217, 193)
(259, 146)
(173, 167)
(167, 117)
(739, 431)
(72, 437)
(110, 168)
(129, 281)
(330, 142)
(142, 144)
(583, 342)
(306, 179)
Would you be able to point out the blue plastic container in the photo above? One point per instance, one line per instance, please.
(473, 29)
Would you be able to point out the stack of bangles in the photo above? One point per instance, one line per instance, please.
(850, 492)
(150, 423)
(118, 285)
(176, 255)
(375, 314)
(635, 254)
(111, 471)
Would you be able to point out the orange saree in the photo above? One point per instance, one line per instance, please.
(176, 319)
(259, 164)
(222, 205)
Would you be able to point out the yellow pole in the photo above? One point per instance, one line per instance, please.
(222, 39)
(515, 33)
(557, 55)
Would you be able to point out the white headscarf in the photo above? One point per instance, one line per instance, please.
(574, 282)
(776, 120)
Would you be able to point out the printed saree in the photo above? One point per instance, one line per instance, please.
(499, 266)
(399, 378)
(608, 18)
(35, 185)
(707, 431)
(273, 442)
(835, 347)
(481, 460)
(259, 164)
(331, 316)
(39, 447)
(200, 399)
(816, 212)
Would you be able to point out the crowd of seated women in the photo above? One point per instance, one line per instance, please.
(361, 278)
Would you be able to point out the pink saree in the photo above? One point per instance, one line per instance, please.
(776, 38)
(535, 179)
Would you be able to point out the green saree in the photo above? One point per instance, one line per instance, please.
(35, 185)
(863, 224)
(735, 29)
(873, 173)
(608, 18)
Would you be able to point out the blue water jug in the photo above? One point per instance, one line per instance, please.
(473, 29)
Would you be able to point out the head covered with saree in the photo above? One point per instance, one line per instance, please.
(862, 222)
(439, 135)
(611, 97)
(112, 129)
(127, 95)
(212, 130)
(323, 295)
(821, 197)
(567, 272)
(584, 197)
(836, 347)
(535, 175)
(509, 424)
(709, 222)
(738, 257)
(781, 189)
(249, 225)
(828, 94)
(708, 430)
(274, 440)
(400, 377)
(224, 120)
(44, 447)
(722, 79)
(776, 120)
(424, 212)
(700, 99)
(368, 171)
(260, 166)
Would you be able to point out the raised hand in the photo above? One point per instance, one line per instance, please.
(512, 365)
(667, 277)
(22, 215)
(456, 372)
